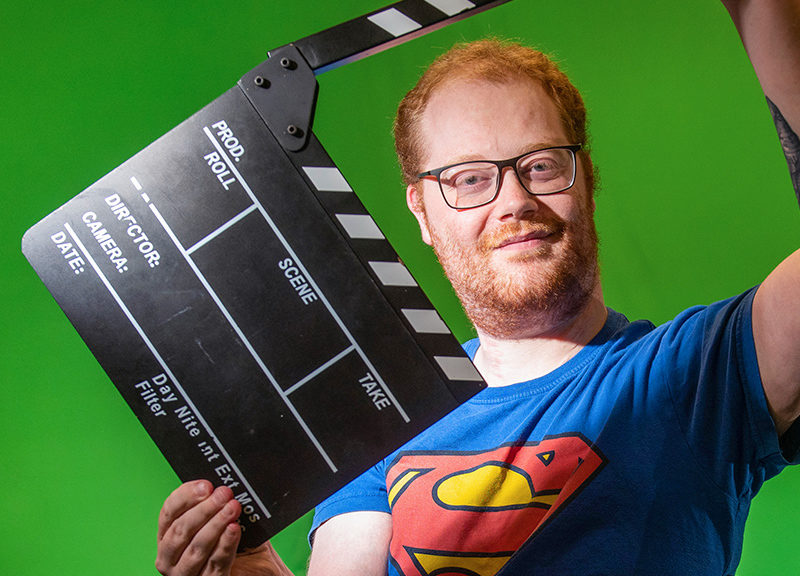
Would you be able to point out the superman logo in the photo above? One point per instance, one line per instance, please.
(466, 513)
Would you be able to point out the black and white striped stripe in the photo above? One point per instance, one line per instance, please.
(379, 258)
(384, 28)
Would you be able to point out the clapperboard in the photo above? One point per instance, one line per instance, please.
(244, 302)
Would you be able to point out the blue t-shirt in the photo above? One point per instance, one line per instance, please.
(640, 455)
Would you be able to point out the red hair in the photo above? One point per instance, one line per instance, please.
(495, 61)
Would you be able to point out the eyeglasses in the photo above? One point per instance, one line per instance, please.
(475, 183)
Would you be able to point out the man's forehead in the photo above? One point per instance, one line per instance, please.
(471, 118)
(465, 80)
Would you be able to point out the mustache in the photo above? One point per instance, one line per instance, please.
(512, 231)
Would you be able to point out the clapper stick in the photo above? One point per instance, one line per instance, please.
(242, 299)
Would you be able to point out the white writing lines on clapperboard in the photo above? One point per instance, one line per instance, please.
(241, 335)
(197, 415)
(221, 229)
(297, 263)
(304, 272)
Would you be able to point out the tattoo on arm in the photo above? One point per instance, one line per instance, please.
(790, 144)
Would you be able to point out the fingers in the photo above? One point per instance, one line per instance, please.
(221, 559)
(197, 531)
(211, 544)
(183, 498)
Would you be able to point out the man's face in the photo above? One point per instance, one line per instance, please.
(521, 262)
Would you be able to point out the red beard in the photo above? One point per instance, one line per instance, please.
(508, 295)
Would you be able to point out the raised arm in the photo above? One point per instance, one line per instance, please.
(770, 31)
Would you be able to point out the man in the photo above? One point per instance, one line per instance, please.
(601, 446)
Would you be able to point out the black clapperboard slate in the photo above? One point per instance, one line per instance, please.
(244, 302)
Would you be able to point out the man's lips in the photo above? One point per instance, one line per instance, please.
(523, 240)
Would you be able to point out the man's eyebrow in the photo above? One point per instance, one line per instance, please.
(522, 150)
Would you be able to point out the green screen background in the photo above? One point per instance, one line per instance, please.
(696, 205)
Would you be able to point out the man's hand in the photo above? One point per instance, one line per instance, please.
(198, 535)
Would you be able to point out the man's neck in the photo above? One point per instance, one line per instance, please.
(542, 349)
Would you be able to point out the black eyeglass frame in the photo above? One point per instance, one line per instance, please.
(501, 164)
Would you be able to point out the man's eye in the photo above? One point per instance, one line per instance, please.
(468, 180)
(540, 165)
(471, 180)
(541, 168)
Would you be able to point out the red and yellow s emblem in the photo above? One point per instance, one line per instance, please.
(466, 513)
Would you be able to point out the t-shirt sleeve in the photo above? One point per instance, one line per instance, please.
(712, 374)
(366, 492)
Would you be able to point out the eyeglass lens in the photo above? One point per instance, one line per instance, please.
(474, 183)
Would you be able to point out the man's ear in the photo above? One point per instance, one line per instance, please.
(414, 202)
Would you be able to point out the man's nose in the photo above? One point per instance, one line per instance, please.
(513, 198)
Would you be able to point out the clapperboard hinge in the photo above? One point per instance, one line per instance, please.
(283, 91)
